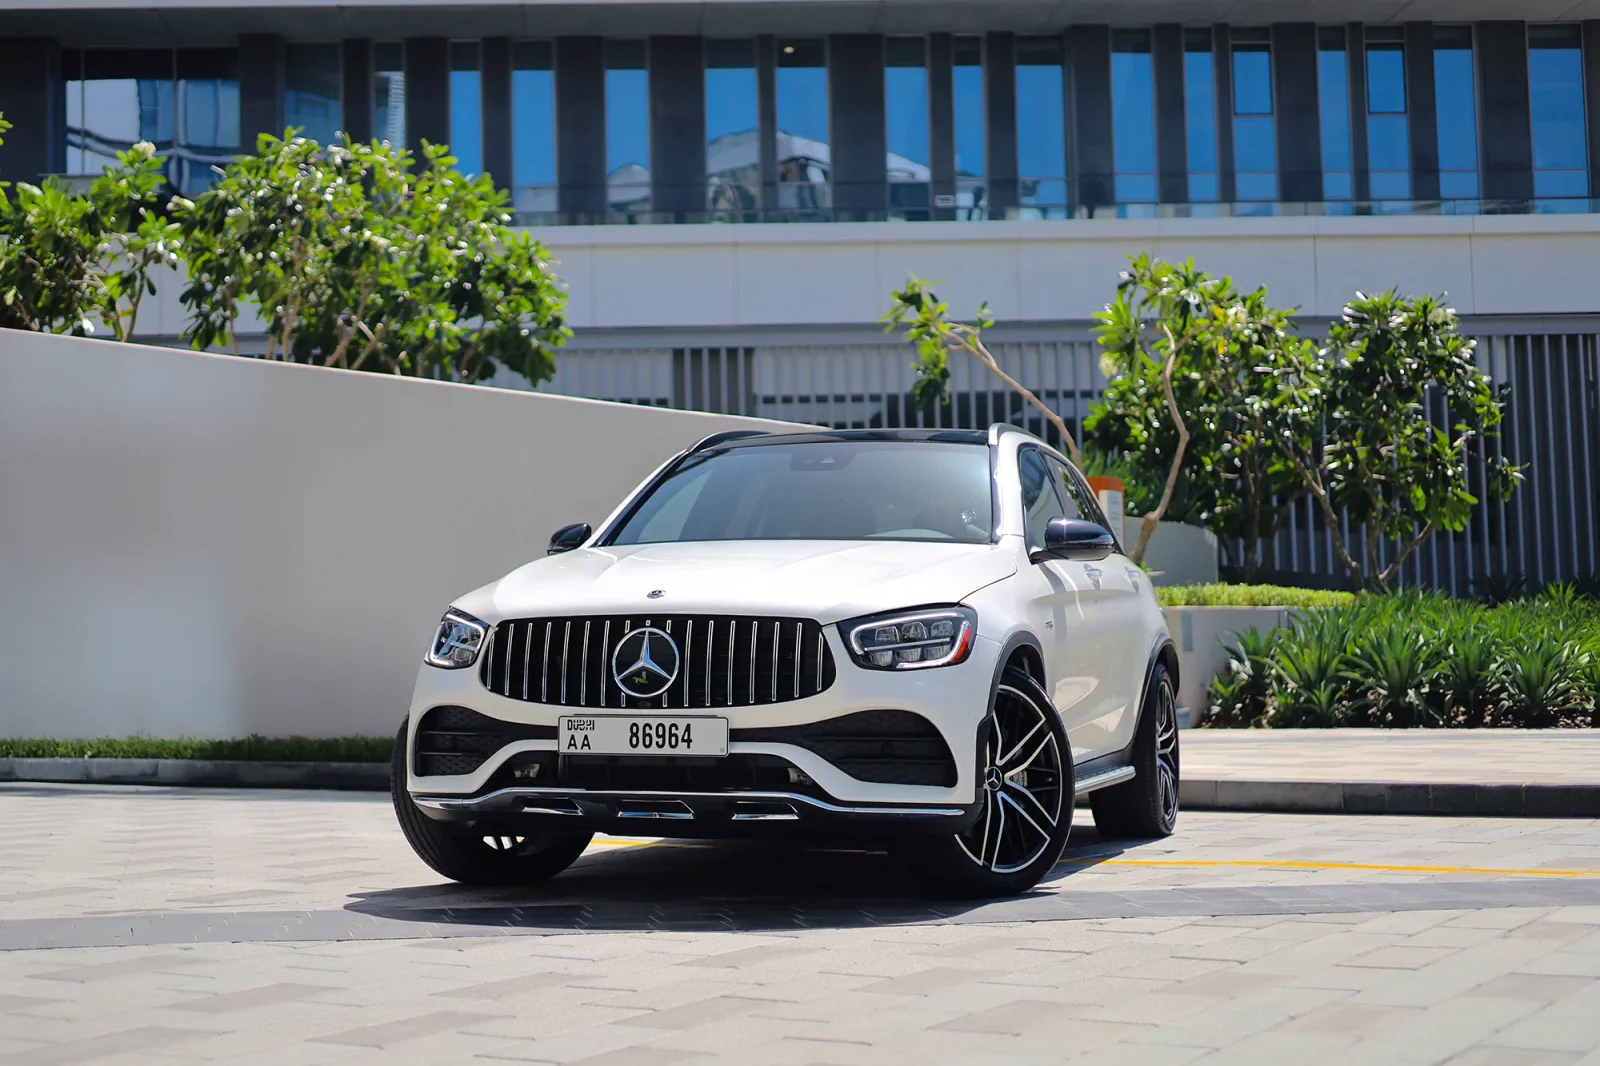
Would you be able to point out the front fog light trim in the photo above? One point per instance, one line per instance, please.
(914, 639)
(457, 642)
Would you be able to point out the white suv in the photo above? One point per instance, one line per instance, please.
(923, 636)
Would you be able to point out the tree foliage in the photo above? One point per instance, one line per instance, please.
(353, 258)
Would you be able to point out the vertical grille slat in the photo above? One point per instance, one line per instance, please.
(725, 661)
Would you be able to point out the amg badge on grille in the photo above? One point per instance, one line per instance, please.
(645, 663)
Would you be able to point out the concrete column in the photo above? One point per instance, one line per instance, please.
(261, 87)
(1422, 116)
(1222, 70)
(31, 96)
(941, 123)
(1507, 150)
(427, 92)
(358, 104)
(1000, 101)
(857, 138)
(1355, 43)
(1172, 142)
(581, 127)
(1091, 160)
(767, 118)
(678, 126)
(1294, 75)
(495, 80)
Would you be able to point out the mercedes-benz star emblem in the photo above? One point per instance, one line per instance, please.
(656, 594)
(645, 663)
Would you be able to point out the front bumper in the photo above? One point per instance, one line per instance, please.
(953, 699)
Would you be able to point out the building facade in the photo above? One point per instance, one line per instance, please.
(732, 189)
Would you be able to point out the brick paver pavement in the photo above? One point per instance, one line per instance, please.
(290, 928)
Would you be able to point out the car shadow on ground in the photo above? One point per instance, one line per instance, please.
(700, 884)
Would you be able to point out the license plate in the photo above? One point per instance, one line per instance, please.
(643, 734)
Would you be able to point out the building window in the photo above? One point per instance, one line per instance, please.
(533, 130)
(802, 150)
(186, 103)
(466, 107)
(1555, 97)
(1041, 128)
(1333, 111)
(1255, 145)
(627, 131)
(311, 97)
(1200, 115)
(733, 159)
(1388, 133)
(1456, 100)
(905, 99)
(1133, 113)
(972, 193)
(389, 93)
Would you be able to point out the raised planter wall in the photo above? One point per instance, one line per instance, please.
(1202, 635)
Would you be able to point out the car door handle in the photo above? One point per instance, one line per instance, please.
(1093, 573)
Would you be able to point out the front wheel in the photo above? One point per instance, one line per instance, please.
(1025, 780)
(474, 855)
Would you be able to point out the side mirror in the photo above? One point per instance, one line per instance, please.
(568, 537)
(1073, 538)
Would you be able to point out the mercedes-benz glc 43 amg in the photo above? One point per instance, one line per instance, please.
(927, 638)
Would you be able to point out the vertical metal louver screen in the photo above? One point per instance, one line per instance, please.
(724, 660)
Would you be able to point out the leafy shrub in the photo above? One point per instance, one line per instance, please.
(1420, 659)
(1250, 596)
(244, 749)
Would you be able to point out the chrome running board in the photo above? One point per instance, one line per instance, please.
(1116, 775)
(517, 799)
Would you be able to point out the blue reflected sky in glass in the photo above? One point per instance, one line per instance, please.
(1200, 120)
(1560, 156)
(803, 96)
(968, 89)
(1255, 144)
(730, 101)
(1456, 108)
(1133, 124)
(1041, 124)
(533, 116)
(905, 94)
(627, 119)
(388, 65)
(1388, 136)
(466, 121)
(1333, 108)
(311, 90)
(733, 168)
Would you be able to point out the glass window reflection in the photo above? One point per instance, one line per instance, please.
(804, 164)
(905, 97)
(311, 90)
(389, 93)
(1333, 110)
(1133, 111)
(466, 108)
(1041, 128)
(1455, 101)
(972, 194)
(733, 161)
(533, 130)
(1555, 98)
(627, 131)
(1200, 115)
(1388, 133)
(1255, 144)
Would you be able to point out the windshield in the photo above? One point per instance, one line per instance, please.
(829, 490)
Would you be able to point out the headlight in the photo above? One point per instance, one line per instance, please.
(914, 639)
(458, 641)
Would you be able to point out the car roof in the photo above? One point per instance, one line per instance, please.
(758, 439)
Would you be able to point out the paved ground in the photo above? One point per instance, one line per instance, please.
(1423, 756)
(286, 928)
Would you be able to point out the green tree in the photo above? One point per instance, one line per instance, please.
(1353, 423)
(927, 324)
(354, 259)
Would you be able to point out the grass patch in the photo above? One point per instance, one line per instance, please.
(1250, 596)
(245, 749)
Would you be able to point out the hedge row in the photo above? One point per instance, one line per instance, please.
(246, 749)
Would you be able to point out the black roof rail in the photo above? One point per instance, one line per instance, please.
(725, 436)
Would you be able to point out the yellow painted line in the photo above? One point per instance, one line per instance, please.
(1290, 865)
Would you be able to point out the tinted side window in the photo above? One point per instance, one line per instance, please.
(1071, 492)
(1039, 500)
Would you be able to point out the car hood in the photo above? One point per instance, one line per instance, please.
(824, 580)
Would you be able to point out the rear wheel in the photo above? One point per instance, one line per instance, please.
(1147, 806)
(1025, 781)
(474, 854)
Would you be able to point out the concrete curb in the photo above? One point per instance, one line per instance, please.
(1374, 797)
(350, 776)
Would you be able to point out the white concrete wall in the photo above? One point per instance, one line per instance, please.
(843, 273)
(211, 546)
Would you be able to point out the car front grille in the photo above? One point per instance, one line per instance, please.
(887, 747)
(456, 740)
(724, 660)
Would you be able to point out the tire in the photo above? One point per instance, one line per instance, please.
(1147, 806)
(1027, 811)
(469, 854)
